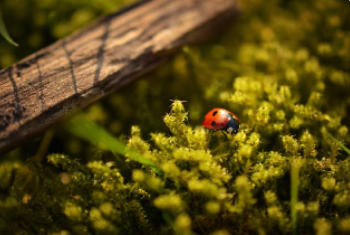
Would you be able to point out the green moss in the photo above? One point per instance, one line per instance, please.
(282, 69)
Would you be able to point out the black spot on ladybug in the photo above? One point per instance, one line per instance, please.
(214, 113)
(213, 123)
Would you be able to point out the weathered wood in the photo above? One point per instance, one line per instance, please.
(77, 70)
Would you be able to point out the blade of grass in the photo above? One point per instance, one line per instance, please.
(339, 144)
(170, 221)
(295, 167)
(44, 145)
(167, 217)
(4, 32)
(88, 130)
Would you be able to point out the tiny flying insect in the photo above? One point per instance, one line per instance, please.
(182, 101)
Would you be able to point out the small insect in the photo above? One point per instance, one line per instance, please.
(182, 101)
(220, 119)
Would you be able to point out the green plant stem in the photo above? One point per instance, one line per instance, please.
(44, 145)
(339, 144)
(295, 167)
(247, 166)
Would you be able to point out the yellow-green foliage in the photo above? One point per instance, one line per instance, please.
(283, 69)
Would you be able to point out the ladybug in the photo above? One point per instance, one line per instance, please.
(219, 119)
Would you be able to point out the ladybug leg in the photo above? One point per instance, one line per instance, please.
(224, 135)
(211, 133)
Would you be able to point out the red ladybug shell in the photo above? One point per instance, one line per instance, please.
(220, 119)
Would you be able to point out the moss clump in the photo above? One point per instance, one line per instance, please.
(232, 187)
(283, 70)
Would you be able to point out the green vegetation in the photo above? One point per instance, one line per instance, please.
(282, 68)
(4, 33)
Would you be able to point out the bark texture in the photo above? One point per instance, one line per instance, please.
(84, 67)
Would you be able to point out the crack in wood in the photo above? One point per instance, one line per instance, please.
(40, 78)
(71, 70)
(30, 62)
(100, 51)
(126, 27)
(15, 91)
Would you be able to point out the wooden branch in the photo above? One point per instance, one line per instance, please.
(80, 69)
